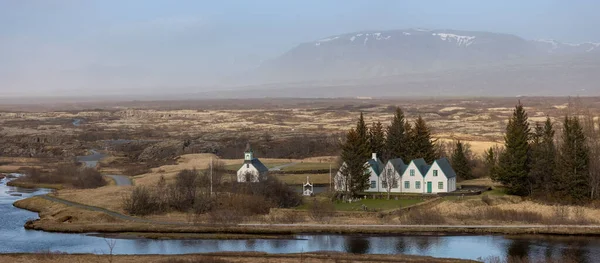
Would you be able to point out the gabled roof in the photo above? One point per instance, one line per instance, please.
(377, 165)
(258, 165)
(446, 168)
(421, 165)
(398, 165)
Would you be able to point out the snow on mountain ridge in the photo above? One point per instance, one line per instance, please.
(460, 40)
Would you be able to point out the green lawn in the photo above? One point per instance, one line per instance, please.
(307, 166)
(497, 191)
(378, 204)
(299, 179)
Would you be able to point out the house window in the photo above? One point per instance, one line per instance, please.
(406, 185)
(389, 171)
(441, 185)
(373, 184)
(247, 165)
(395, 184)
(435, 172)
(384, 184)
(412, 172)
(417, 185)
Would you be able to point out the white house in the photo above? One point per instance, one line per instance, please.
(252, 169)
(416, 177)
(394, 169)
(440, 178)
(413, 177)
(374, 167)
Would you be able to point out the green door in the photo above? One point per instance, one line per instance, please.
(429, 187)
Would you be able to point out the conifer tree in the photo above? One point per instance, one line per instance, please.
(513, 164)
(572, 177)
(363, 134)
(543, 158)
(421, 143)
(396, 137)
(377, 139)
(354, 170)
(409, 151)
(460, 163)
(491, 162)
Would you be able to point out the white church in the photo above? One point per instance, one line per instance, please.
(415, 177)
(252, 169)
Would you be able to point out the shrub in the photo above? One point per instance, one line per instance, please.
(141, 202)
(321, 210)
(66, 174)
(88, 178)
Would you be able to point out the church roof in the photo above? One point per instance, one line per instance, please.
(258, 165)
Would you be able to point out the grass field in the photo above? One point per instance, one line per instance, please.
(307, 166)
(298, 179)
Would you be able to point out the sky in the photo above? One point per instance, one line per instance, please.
(57, 47)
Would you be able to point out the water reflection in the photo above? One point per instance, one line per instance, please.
(357, 245)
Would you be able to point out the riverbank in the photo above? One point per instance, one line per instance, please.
(324, 257)
(55, 217)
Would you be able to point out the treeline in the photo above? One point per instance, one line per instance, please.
(536, 162)
(194, 192)
(400, 139)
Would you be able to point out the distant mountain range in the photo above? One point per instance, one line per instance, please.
(450, 62)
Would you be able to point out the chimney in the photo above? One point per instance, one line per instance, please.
(374, 156)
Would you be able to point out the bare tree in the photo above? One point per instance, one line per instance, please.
(389, 180)
(110, 243)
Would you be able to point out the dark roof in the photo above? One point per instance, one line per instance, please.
(377, 165)
(445, 166)
(421, 165)
(258, 165)
(399, 165)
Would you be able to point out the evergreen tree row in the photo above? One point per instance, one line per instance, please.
(532, 164)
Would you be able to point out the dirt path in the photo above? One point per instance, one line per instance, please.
(279, 167)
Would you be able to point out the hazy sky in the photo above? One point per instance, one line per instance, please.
(51, 47)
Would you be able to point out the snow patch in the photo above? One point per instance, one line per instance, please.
(553, 42)
(460, 40)
(352, 38)
(318, 43)
(594, 46)
(406, 33)
(366, 39)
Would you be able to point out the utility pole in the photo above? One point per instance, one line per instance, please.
(330, 178)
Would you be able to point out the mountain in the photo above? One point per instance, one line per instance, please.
(371, 54)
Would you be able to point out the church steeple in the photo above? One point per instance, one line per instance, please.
(248, 154)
